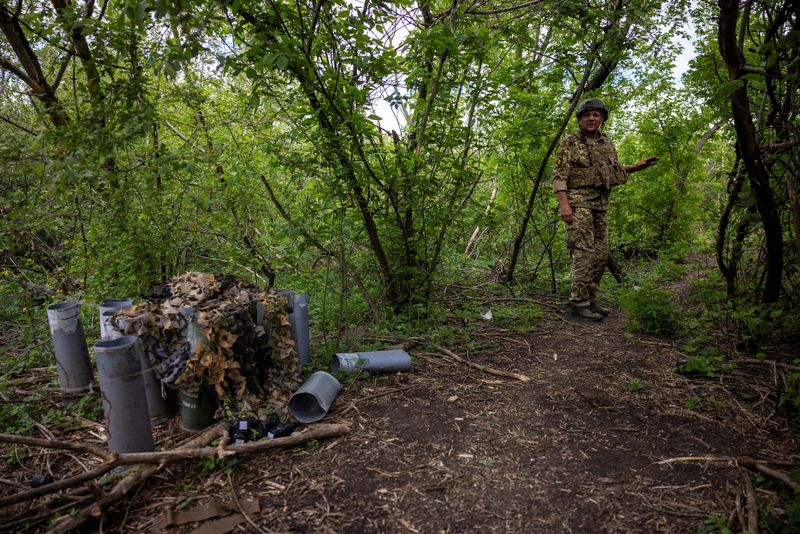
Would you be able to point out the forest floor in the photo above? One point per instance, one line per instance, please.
(604, 437)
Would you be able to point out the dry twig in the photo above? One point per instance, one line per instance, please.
(240, 508)
(485, 368)
(744, 462)
(352, 405)
(773, 363)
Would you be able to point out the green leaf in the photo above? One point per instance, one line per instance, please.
(282, 62)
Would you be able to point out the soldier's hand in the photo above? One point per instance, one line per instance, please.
(566, 213)
(646, 162)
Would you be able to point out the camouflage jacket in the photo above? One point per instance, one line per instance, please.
(587, 168)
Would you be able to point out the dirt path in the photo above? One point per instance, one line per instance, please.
(447, 448)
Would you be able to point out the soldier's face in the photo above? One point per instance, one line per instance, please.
(590, 121)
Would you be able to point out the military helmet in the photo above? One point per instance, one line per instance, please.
(590, 104)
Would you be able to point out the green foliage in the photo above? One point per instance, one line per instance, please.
(520, 319)
(649, 273)
(791, 395)
(700, 365)
(708, 403)
(661, 209)
(155, 166)
(669, 271)
(691, 403)
(346, 377)
(634, 385)
(650, 311)
(88, 406)
(213, 464)
(755, 325)
(782, 517)
(705, 361)
(714, 524)
(792, 517)
(154, 173)
(711, 291)
(20, 417)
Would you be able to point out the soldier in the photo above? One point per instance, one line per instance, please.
(585, 170)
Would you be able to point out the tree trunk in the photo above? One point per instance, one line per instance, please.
(750, 150)
(728, 269)
(31, 72)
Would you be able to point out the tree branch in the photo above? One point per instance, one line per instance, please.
(706, 136)
(12, 123)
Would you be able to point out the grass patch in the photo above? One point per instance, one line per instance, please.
(634, 385)
(519, 319)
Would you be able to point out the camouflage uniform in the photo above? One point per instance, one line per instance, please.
(586, 168)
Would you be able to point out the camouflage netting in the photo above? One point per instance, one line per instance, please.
(249, 361)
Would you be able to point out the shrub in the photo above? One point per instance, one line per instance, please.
(650, 311)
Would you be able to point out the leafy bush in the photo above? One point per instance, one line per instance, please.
(650, 311)
(755, 325)
(704, 361)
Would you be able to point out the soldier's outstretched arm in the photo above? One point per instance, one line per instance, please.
(640, 165)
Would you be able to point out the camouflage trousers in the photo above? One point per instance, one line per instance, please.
(587, 240)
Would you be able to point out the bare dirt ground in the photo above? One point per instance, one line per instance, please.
(596, 441)
(452, 449)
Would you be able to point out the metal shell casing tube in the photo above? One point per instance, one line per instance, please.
(124, 399)
(157, 406)
(108, 308)
(297, 308)
(382, 361)
(69, 345)
(198, 408)
(313, 399)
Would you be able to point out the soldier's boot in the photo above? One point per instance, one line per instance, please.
(597, 308)
(585, 312)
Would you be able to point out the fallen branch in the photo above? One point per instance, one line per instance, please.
(175, 455)
(739, 510)
(778, 475)
(186, 451)
(490, 370)
(744, 462)
(95, 509)
(752, 505)
(53, 444)
(58, 485)
(25, 524)
(113, 460)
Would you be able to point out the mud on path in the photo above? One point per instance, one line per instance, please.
(448, 448)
